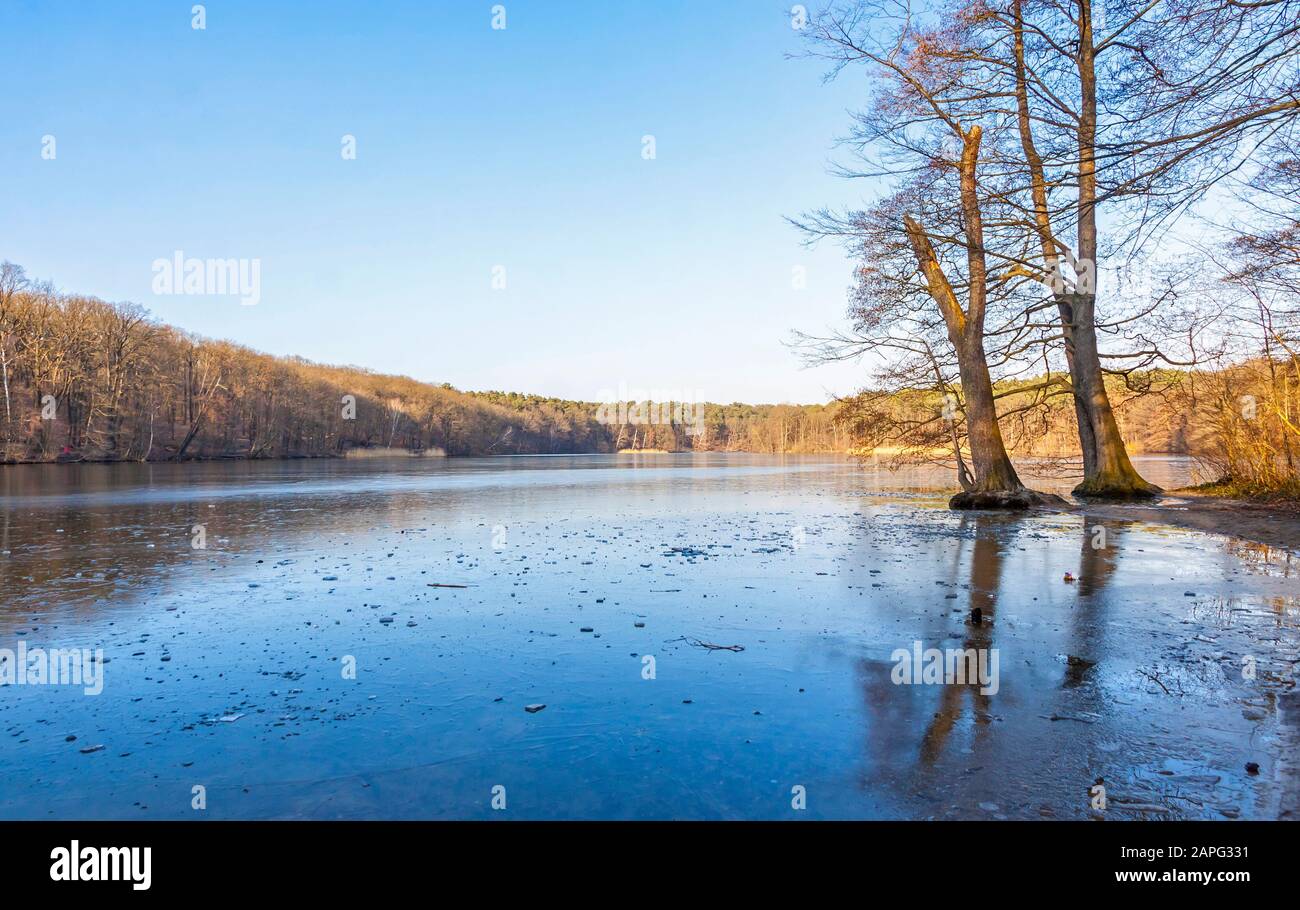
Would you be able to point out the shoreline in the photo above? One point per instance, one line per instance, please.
(375, 453)
(1271, 524)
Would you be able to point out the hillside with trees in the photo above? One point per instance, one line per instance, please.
(88, 380)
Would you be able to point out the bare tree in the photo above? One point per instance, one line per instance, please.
(1141, 112)
(937, 268)
(1138, 113)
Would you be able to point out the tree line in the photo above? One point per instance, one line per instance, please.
(82, 379)
(87, 380)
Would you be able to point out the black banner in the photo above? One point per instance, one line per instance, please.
(328, 859)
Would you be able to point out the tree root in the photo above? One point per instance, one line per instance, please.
(1117, 488)
(1006, 500)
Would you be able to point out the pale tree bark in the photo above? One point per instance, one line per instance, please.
(4, 365)
(12, 281)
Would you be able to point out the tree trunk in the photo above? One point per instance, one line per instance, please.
(1087, 438)
(994, 472)
(4, 360)
(1111, 474)
(149, 445)
(1107, 470)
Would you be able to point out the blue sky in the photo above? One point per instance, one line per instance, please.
(476, 148)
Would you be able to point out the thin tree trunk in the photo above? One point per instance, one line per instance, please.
(4, 361)
(149, 445)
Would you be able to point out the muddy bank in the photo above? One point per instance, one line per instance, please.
(1274, 525)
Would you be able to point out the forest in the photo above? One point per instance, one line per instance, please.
(88, 380)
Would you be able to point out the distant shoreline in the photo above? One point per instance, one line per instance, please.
(403, 453)
(354, 454)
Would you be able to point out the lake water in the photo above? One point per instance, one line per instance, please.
(302, 664)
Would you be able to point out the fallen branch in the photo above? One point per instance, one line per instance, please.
(1155, 679)
(1084, 718)
(697, 643)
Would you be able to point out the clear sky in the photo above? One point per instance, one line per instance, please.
(475, 148)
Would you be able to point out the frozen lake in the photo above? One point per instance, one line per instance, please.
(229, 666)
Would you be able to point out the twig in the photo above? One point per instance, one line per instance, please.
(697, 643)
(1156, 680)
